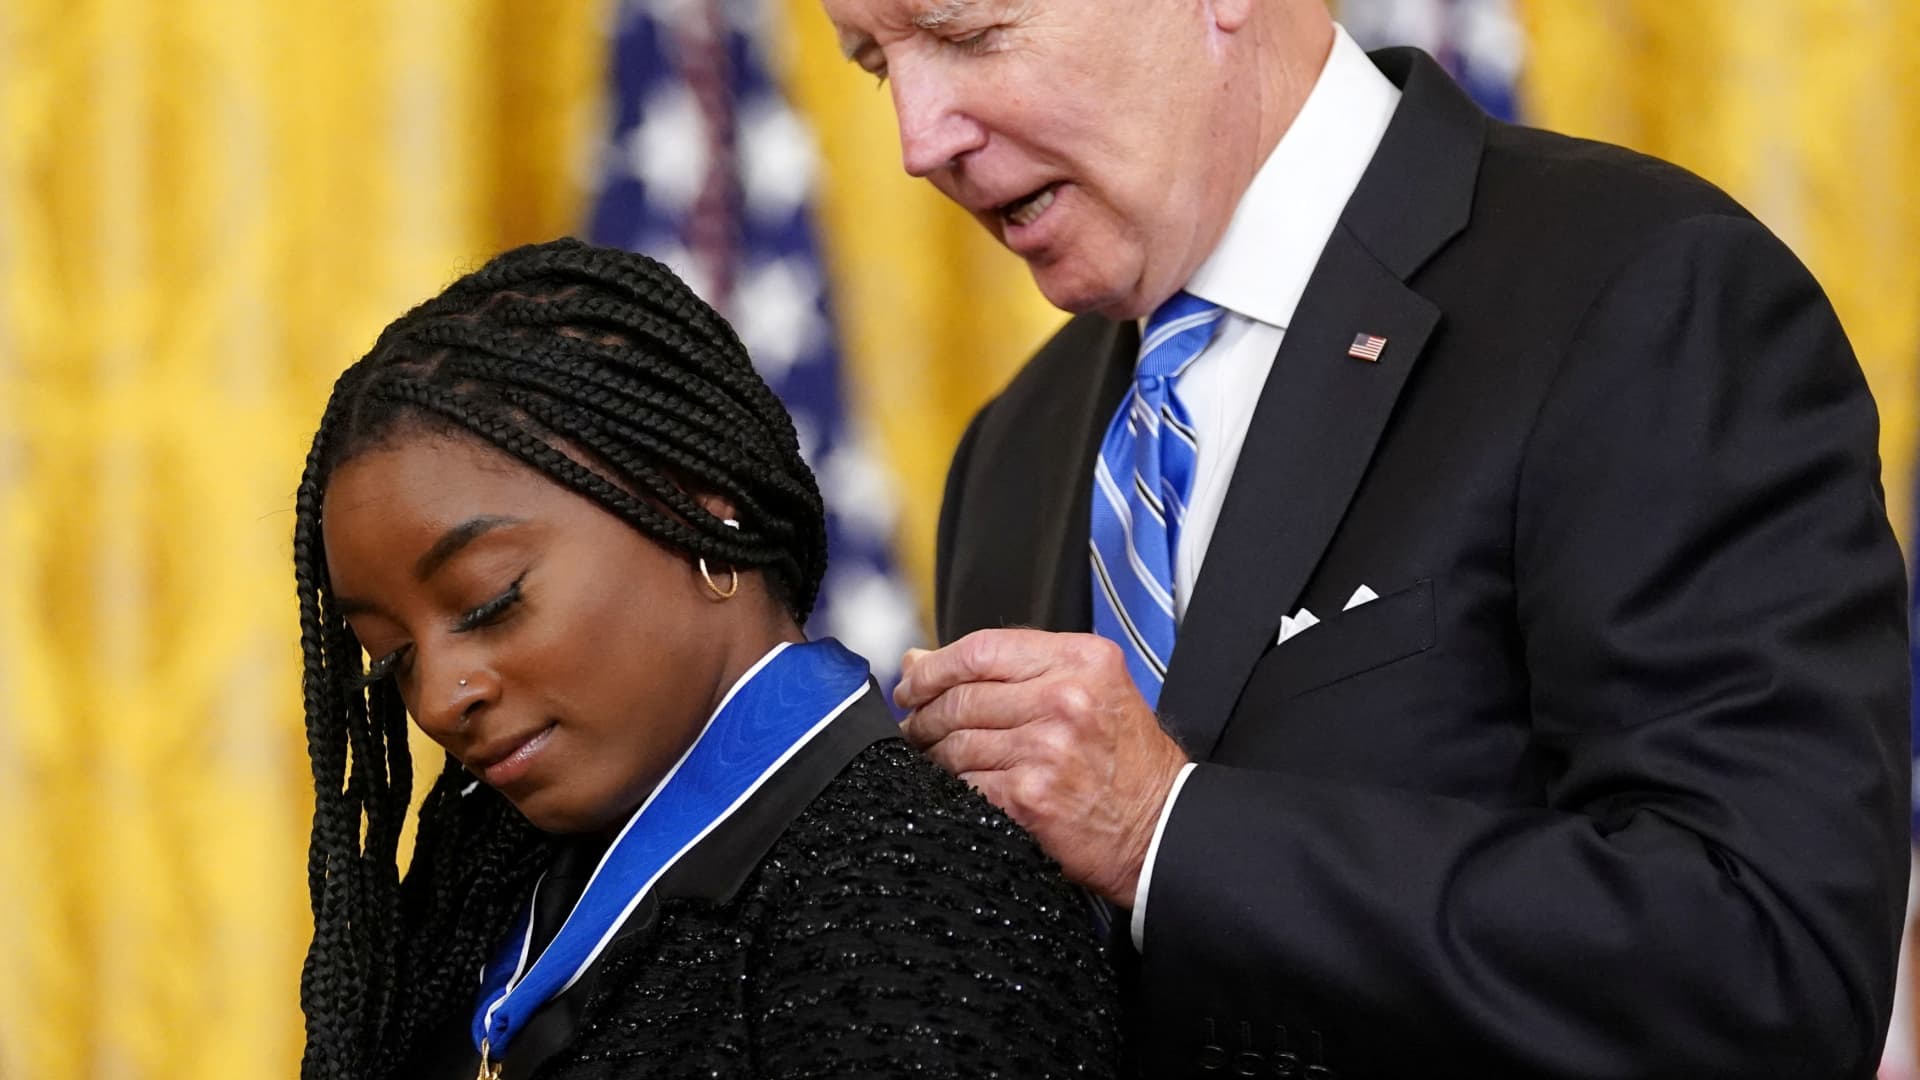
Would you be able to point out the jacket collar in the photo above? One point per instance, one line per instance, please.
(1321, 413)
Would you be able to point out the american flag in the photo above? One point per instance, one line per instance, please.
(708, 169)
(1366, 347)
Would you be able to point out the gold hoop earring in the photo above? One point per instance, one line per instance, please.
(733, 584)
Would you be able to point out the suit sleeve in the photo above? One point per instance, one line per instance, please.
(1712, 615)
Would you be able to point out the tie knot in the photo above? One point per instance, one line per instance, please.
(1176, 332)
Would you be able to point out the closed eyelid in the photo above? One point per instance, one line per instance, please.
(382, 667)
(486, 612)
(473, 619)
(866, 56)
(853, 45)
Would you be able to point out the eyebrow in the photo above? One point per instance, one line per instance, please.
(456, 538)
(853, 44)
(445, 548)
(944, 14)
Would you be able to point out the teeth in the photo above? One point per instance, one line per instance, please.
(1030, 211)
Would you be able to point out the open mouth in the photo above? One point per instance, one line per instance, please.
(1027, 209)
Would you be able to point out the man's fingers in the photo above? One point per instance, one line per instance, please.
(973, 705)
(976, 750)
(1006, 655)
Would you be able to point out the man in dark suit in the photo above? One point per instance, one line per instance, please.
(1538, 704)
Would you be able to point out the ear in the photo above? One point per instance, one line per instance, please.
(718, 505)
(1230, 15)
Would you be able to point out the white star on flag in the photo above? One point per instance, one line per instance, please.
(667, 150)
(862, 490)
(776, 160)
(873, 615)
(776, 310)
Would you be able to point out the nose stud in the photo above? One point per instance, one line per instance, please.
(463, 682)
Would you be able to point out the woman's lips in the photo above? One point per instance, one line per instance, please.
(515, 764)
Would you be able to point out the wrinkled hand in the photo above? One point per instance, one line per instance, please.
(1050, 728)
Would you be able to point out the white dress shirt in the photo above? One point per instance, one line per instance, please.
(1258, 273)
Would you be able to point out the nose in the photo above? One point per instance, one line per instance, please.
(935, 130)
(448, 694)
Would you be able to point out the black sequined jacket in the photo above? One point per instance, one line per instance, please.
(863, 915)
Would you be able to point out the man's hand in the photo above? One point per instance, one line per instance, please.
(1050, 728)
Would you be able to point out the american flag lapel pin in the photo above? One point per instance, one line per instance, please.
(1367, 347)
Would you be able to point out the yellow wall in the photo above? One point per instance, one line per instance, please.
(207, 209)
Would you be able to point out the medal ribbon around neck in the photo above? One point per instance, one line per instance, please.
(776, 708)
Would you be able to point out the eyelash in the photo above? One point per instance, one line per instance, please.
(973, 45)
(380, 669)
(492, 610)
(485, 615)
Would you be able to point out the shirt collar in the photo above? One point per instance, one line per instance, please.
(1261, 265)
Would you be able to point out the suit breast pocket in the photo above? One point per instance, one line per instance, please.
(1356, 641)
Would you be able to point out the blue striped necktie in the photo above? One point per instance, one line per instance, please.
(1141, 486)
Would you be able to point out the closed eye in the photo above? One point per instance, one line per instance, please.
(873, 63)
(492, 611)
(485, 615)
(976, 43)
(382, 667)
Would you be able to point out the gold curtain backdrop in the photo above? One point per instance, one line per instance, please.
(208, 208)
(1805, 110)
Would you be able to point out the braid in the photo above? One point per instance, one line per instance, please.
(602, 371)
(330, 1021)
(474, 859)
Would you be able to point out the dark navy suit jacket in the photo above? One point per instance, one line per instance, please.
(1611, 780)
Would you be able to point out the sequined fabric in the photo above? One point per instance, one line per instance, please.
(901, 927)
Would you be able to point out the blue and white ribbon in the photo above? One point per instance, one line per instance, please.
(776, 708)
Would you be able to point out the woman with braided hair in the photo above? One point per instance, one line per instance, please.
(556, 517)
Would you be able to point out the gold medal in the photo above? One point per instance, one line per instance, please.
(489, 1070)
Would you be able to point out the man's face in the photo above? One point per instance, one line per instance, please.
(1084, 134)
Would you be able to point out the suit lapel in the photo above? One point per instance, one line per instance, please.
(1064, 600)
(1322, 412)
(1319, 418)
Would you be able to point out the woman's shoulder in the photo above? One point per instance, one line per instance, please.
(922, 924)
(890, 805)
(897, 850)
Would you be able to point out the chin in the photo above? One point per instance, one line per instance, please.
(560, 817)
(1074, 290)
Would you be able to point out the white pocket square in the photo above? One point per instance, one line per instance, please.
(1306, 620)
(1293, 624)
